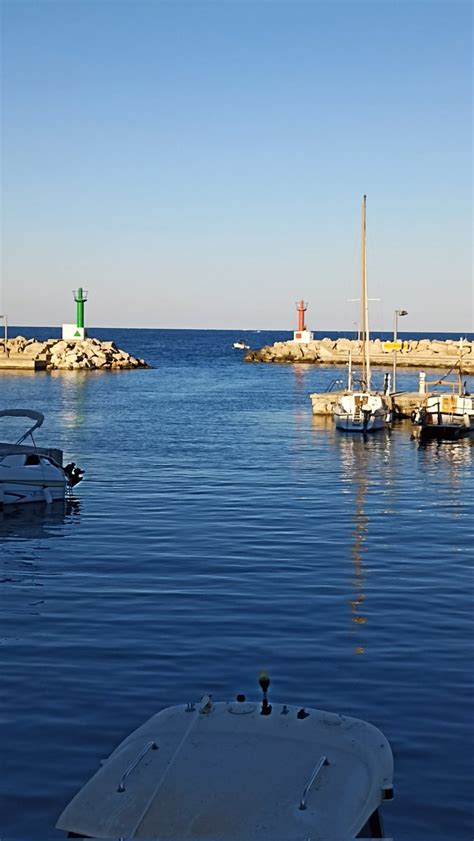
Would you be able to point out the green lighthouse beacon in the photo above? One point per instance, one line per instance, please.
(80, 297)
(77, 331)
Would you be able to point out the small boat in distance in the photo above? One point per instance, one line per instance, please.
(33, 474)
(362, 410)
(239, 771)
(240, 345)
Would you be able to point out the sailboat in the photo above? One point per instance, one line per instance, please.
(361, 411)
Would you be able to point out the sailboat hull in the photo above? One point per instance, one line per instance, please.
(348, 423)
(360, 412)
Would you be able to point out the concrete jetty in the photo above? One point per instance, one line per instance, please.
(17, 362)
(57, 354)
(422, 353)
(402, 404)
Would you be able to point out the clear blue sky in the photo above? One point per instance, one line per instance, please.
(201, 164)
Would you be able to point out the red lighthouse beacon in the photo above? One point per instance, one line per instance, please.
(302, 334)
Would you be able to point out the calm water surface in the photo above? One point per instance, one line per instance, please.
(221, 529)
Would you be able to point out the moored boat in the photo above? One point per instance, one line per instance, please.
(239, 771)
(446, 416)
(240, 345)
(362, 410)
(433, 422)
(29, 473)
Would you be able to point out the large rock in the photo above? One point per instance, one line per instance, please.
(343, 345)
(34, 348)
(437, 347)
(327, 343)
(325, 354)
(58, 347)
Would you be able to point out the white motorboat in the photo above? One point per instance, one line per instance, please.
(33, 474)
(239, 771)
(362, 410)
(241, 345)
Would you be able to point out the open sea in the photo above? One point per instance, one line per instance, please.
(220, 529)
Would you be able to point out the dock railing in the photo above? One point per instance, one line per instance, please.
(333, 385)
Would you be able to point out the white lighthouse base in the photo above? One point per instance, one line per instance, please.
(302, 336)
(72, 333)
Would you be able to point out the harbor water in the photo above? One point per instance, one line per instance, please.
(221, 529)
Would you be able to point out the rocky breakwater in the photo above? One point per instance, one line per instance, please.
(422, 353)
(58, 354)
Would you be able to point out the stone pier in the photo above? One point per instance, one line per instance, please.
(58, 354)
(423, 353)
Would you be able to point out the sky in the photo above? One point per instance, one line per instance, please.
(202, 164)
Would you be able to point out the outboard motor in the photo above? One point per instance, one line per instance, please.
(418, 415)
(74, 474)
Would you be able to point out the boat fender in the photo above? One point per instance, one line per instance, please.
(419, 415)
(47, 495)
(206, 705)
(302, 713)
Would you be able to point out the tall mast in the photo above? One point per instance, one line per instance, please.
(365, 303)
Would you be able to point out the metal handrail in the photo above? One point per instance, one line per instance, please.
(333, 384)
(148, 746)
(323, 761)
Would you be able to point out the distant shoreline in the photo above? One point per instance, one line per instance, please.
(384, 335)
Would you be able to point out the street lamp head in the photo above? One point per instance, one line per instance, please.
(402, 312)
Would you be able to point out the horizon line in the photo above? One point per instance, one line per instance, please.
(464, 334)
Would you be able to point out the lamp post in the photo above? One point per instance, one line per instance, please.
(5, 325)
(395, 333)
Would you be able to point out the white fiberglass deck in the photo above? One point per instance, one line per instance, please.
(235, 775)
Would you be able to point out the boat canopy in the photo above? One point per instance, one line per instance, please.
(24, 413)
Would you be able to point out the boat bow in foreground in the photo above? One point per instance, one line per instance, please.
(238, 771)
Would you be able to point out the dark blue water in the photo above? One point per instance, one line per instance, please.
(221, 529)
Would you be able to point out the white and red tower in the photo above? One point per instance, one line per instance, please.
(302, 334)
